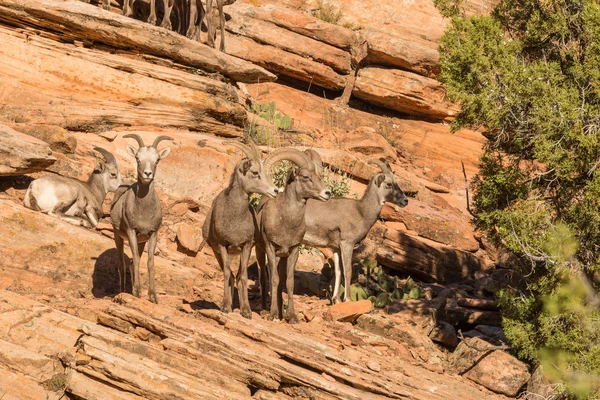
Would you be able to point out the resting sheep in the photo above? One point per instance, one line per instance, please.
(74, 201)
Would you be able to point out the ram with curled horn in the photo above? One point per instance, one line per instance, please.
(282, 227)
(72, 200)
(230, 225)
(342, 223)
(136, 214)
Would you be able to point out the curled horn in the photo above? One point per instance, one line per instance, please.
(160, 139)
(256, 150)
(295, 156)
(315, 158)
(250, 153)
(383, 165)
(137, 138)
(110, 159)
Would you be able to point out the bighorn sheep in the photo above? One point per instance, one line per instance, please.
(167, 7)
(197, 15)
(230, 223)
(136, 214)
(74, 201)
(341, 223)
(282, 227)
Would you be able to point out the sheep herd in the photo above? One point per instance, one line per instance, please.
(300, 213)
(182, 16)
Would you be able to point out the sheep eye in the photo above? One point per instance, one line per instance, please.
(389, 185)
(256, 174)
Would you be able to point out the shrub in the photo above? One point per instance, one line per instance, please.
(528, 74)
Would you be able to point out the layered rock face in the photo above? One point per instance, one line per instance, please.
(76, 76)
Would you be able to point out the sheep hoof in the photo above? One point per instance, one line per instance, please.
(226, 309)
(152, 297)
(246, 313)
(293, 319)
(136, 292)
(152, 20)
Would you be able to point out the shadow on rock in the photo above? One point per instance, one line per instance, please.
(105, 279)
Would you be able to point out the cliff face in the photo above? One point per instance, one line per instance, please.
(75, 76)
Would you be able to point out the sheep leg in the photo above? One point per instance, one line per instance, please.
(168, 7)
(152, 17)
(221, 253)
(242, 279)
(209, 24)
(56, 212)
(119, 243)
(281, 270)
(222, 24)
(338, 277)
(136, 284)
(263, 277)
(346, 252)
(291, 265)
(192, 27)
(151, 249)
(272, 260)
(128, 8)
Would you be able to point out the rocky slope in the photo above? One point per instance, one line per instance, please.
(75, 76)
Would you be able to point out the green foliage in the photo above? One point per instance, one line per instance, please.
(528, 75)
(269, 112)
(328, 12)
(265, 135)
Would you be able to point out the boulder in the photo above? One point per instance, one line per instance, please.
(59, 139)
(496, 370)
(444, 334)
(303, 24)
(403, 91)
(189, 237)
(393, 51)
(281, 38)
(284, 63)
(426, 260)
(539, 386)
(348, 311)
(22, 154)
(469, 317)
(443, 225)
(367, 141)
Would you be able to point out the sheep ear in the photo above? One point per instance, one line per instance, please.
(131, 150)
(99, 167)
(246, 167)
(164, 153)
(379, 179)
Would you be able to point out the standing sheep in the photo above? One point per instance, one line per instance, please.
(136, 214)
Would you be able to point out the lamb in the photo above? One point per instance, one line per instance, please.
(340, 224)
(230, 223)
(136, 214)
(74, 201)
(282, 227)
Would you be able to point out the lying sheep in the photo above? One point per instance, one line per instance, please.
(72, 200)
